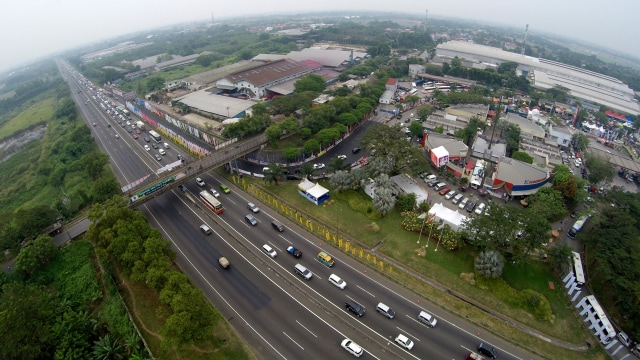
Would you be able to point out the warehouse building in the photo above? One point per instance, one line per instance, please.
(545, 74)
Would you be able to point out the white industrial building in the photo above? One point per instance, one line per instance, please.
(545, 74)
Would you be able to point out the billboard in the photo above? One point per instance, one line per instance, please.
(439, 156)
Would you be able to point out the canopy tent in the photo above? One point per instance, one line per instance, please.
(450, 217)
(315, 193)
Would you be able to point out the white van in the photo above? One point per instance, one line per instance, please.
(440, 186)
(303, 271)
(427, 319)
(166, 146)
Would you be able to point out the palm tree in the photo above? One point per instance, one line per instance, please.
(273, 174)
(307, 169)
(107, 348)
(489, 264)
(383, 200)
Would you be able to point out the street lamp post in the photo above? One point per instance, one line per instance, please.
(424, 219)
(440, 238)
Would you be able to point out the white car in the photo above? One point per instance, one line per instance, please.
(200, 182)
(318, 166)
(269, 251)
(214, 192)
(351, 347)
(480, 208)
(253, 207)
(342, 157)
(404, 341)
(337, 281)
(146, 147)
(450, 194)
(162, 152)
(463, 203)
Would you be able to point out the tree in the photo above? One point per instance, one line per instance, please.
(423, 112)
(406, 202)
(416, 129)
(347, 119)
(383, 200)
(27, 312)
(600, 170)
(549, 202)
(94, 163)
(580, 141)
(560, 256)
(340, 180)
(274, 173)
(291, 153)
(522, 156)
(307, 170)
(489, 264)
(107, 348)
(311, 82)
(273, 134)
(311, 147)
(336, 164)
(36, 254)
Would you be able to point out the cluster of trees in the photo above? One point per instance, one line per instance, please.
(612, 260)
(53, 308)
(513, 232)
(504, 76)
(321, 125)
(123, 236)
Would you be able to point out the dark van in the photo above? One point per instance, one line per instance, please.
(276, 225)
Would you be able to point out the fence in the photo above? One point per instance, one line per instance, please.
(330, 235)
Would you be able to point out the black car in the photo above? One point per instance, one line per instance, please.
(488, 350)
(355, 308)
(471, 206)
(294, 252)
(355, 150)
(146, 139)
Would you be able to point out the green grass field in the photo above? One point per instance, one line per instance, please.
(39, 113)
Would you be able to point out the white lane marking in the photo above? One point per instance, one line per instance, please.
(293, 341)
(361, 288)
(304, 327)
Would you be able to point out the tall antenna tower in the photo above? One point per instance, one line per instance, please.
(426, 17)
(212, 20)
(524, 46)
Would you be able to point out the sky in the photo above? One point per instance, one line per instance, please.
(34, 28)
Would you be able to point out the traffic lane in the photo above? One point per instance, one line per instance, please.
(292, 330)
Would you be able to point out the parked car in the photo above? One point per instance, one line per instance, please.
(463, 203)
(318, 166)
(444, 191)
(480, 208)
(355, 150)
(342, 157)
(294, 252)
(450, 194)
(471, 206)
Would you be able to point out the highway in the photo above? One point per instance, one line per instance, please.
(279, 314)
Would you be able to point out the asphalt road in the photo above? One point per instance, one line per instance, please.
(279, 314)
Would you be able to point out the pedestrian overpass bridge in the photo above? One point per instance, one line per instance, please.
(155, 186)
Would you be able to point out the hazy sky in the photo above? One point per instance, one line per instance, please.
(34, 28)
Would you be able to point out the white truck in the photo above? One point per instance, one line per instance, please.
(140, 125)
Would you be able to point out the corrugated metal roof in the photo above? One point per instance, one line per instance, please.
(273, 71)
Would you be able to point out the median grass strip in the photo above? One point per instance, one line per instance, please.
(455, 269)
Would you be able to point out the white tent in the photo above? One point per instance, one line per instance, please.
(315, 193)
(447, 216)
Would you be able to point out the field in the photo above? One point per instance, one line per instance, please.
(39, 113)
